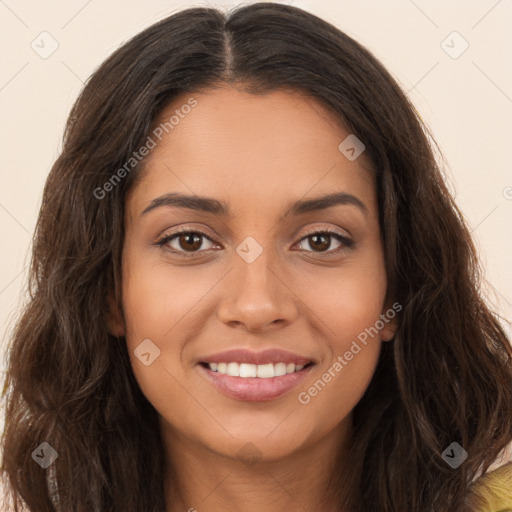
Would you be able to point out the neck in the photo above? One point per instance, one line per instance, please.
(200, 479)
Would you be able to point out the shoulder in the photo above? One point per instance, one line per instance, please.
(492, 492)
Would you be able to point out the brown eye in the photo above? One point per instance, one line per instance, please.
(190, 241)
(184, 241)
(321, 241)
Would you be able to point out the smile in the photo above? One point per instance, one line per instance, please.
(249, 376)
(261, 371)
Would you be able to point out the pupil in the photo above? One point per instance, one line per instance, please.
(325, 238)
(188, 238)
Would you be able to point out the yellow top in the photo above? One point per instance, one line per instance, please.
(493, 491)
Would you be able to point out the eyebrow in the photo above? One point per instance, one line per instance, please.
(210, 205)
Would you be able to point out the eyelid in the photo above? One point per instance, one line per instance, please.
(167, 236)
(189, 228)
(346, 240)
(332, 231)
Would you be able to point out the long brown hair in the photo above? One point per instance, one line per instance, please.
(446, 377)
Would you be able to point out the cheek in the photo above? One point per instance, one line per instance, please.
(165, 304)
(348, 313)
(158, 297)
(348, 300)
(348, 308)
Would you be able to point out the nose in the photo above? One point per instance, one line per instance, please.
(257, 296)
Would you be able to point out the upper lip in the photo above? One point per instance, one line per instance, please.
(241, 355)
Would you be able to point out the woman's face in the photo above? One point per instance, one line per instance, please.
(252, 276)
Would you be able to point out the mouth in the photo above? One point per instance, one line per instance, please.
(255, 382)
(260, 371)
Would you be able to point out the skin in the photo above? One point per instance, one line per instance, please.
(259, 154)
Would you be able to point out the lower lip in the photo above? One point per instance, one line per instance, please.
(254, 389)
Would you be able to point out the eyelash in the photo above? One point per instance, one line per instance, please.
(347, 243)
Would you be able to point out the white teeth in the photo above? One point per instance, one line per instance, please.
(248, 370)
(280, 369)
(263, 371)
(233, 370)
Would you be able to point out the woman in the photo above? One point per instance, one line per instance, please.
(251, 289)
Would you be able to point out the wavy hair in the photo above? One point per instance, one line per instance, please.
(446, 376)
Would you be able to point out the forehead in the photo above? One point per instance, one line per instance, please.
(253, 150)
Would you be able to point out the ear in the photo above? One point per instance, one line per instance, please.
(115, 325)
(389, 318)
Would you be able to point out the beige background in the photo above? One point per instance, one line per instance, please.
(467, 101)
